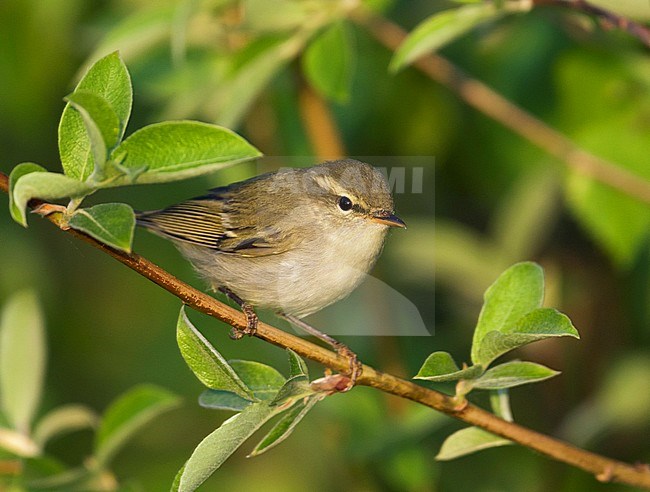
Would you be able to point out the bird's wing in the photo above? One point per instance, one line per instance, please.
(209, 221)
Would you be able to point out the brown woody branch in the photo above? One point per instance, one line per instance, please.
(605, 469)
(491, 103)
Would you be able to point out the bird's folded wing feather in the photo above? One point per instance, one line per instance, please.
(208, 222)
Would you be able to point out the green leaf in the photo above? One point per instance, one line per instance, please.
(467, 441)
(16, 173)
(110, 223)
(128, 414)
(102, 127)
(262, 60)
(47, 186)
(222, 400)
(175, 150)
(109, 79)
(285, 426)
(512, 374)
(220, 444)
(538, 324)
(328, 62)
(264, 381)
(22, 359)
(440, 29)
(294, 388)
(440, 367)
(297, 366)
(517, 291)
(206, 363)
(63, 420)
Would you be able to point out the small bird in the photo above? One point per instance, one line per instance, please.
(294, 240)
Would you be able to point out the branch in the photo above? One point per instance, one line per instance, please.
(606, 18)
(319, 124)
(482, 97)
(603, 468)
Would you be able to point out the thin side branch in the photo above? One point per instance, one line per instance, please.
(491, 103)
(606, 18)
(603, 468)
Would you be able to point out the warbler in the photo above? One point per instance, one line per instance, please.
(293, 240)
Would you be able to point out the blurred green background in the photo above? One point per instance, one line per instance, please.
(489, 199)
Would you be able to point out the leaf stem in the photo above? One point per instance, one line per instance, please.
(605, 469)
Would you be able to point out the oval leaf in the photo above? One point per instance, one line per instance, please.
(22, 359)
(516, 292)
(127, 415)
(328, 62)
(102, 126)
(512, 374)
(16, 173)
(109, 79)
(110, 223)
(63, 420)
(538, 324)
(48, 186)
(468, 441)
(206, 363)
(175, 150)
(440, 29)
(220, 444)
(440, 367)
(264, 381)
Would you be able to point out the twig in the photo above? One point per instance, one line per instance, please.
(493, 104)
(319, 124)
(599, 466)
(606, 18)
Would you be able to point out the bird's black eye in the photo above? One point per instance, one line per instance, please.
(345, 203)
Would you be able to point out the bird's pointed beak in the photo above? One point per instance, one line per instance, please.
(387, 218)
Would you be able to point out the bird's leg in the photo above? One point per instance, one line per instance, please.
(247, 309)
(343, 350)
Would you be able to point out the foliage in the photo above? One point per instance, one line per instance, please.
(498, 201)
(23, 438)
(94, 156)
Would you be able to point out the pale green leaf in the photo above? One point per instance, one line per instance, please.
(512, 374)
(293, 389)
(517, 291)
(252, 75)
(206, 363)
(264, 381)
(47, 186)
(22, 359)
(440, 29)
(109, 79)
(18, 443)
(175, 150)
(63, 420)
(110, 223)
(285, 425)
(222, 400)
(538, 324)
(128, 414)
(328, 62)
(16, 173)
(102, 127)
(440, 366)
(467, 441)
(211, 453)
